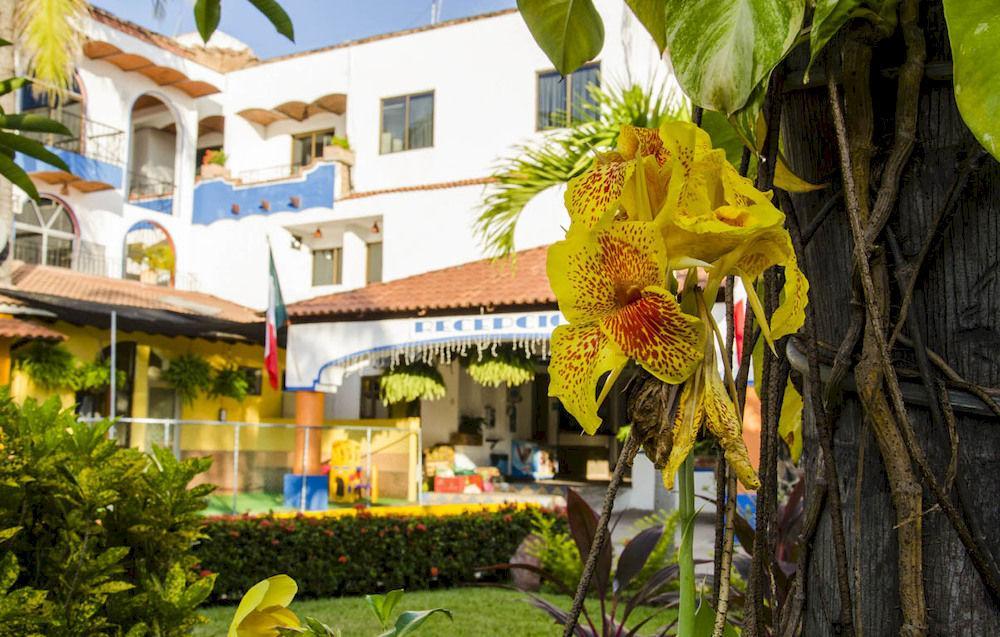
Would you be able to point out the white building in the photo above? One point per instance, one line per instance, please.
(426, 113)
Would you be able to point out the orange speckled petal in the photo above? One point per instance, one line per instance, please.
(634, 142)
(594, 194)
(581, 354)
(655, 332)
(632, 253)
(579, 279)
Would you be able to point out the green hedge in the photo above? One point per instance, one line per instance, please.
(358, 554)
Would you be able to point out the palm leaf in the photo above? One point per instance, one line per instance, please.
(206, 16)
(32, 123)
(16, 175)
(32, 148)
(50, 36)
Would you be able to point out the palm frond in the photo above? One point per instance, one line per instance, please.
(50, 35)
(559, 156)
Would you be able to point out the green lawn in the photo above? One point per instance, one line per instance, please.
(259, 503)
(478, 612)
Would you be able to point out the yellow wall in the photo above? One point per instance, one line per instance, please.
(86, 343)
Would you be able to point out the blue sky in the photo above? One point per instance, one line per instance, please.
(317, 22)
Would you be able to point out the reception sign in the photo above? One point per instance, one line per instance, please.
(319, 354)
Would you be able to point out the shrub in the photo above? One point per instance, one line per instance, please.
(103, 533)
(332, 556)
(189, 375)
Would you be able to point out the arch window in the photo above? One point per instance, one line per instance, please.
(149, 254)
(45, 233)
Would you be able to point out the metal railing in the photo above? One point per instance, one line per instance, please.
(270, 173)
(89, 138)
(250, 460)
(143, 187)
(99, 265)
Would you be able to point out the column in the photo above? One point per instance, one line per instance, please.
(308, 412)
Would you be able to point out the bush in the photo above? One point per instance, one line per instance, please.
(333, 556)
(102, 533)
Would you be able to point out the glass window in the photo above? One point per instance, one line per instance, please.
(407, 123)
(255, 380)
(44, 233)
(373, 265)
(327, 266)
(309, 146)
(562, 100)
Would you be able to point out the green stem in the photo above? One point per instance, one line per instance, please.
(685, 559)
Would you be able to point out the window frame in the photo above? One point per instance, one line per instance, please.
(381, 259)
(312, 135)
(338, 269)
(45, 231)
(406, 120)
(568, 80)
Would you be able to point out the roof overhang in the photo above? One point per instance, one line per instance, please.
(296, 110)
(133, 62)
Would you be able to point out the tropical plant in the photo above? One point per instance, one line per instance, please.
(215, 157)
(340, 142)
(504, 366)
(49, 365)
(103, 534)
(95, 376)
(561, 155)
(229, 382)
(551, 544)
(411, 381)
(188, 375)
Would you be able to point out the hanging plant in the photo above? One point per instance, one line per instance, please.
(229, 382)
(507, 366)
(48, 365)
(413, 381)
(94, 377)
(188, 375)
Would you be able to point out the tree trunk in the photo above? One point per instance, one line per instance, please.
(956, 305)
(7, 102)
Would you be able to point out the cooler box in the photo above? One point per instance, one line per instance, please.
(317, 492)
(456, 484)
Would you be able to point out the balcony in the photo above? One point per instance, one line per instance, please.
(151, 193)
(284, 188)
(89, 259)
(94, 153)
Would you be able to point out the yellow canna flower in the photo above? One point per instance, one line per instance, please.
(263, 609)
(610, 284)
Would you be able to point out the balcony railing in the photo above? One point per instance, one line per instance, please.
(271, 173)
(142, 187)
(90, 139)
(62, 255)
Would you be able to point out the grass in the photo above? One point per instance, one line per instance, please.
(259, 503)
(478, 611)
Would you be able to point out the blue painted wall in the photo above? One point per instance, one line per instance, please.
(83, 167)
(214, 199)
(163, 204)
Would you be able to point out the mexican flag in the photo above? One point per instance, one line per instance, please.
(276, 317)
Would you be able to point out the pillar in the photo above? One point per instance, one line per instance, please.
(308, 412)
(5, 361)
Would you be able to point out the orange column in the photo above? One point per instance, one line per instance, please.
(751, 429)
(5, 361)
(308, 412)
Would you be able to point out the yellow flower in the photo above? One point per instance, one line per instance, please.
(263, 609)
(610, 284)
(704, 401)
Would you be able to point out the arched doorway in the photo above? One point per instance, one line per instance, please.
(149, 254)
(46, 233)
(153, 153)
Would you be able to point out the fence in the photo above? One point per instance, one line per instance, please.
(251, 460)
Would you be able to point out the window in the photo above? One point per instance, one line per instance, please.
(407, 123)
(327, 266)
(373, 263)
(255, 380)
(370, 397)
(45, 233)
(562, 100)
(308, 146)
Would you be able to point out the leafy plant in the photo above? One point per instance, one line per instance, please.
(215, 157)
(407, 622)
(504, 367)
(106, 533)
(555, 550)
(340, 142)
(561, 155)
(188, 375)
(95, 377)
(49, 365)
(229, 382)
(409, 382)
(360, 553)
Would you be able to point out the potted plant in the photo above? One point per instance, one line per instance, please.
(188, 375)
(339, 150)
(213, 164)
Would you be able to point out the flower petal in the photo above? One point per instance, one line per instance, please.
(280, 591)
(591, 196)
(632, 253)
(790, 421)
(662, 338)
(251, 600)
(790, 314)
(721, 420)
(634, 142)
(581, 354)
(687, 422)
(578, 277)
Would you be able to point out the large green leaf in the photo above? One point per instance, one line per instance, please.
(974, 30)
(12, 84)
(276, 16)
(33, 124)
(407, 623)
(722, 49)
(207, 14)
(32, 148)
(570, 32)
(831, 15)
(653, 15)
(383, 605)
(14, 174)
